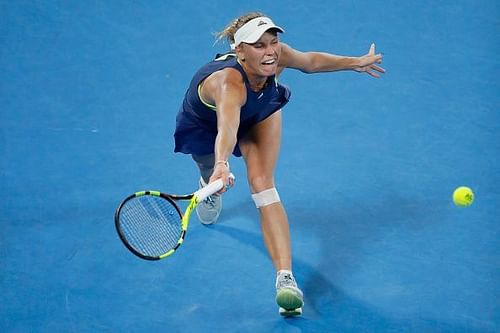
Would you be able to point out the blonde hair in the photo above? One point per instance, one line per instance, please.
(233, 26)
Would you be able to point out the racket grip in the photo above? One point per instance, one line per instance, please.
(210, 189)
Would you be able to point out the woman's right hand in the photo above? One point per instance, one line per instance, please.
(222, 171)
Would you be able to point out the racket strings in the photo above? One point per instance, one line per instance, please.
(151, 225)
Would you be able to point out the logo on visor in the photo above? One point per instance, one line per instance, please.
(261, 23)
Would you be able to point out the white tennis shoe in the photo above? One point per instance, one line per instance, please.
(208, 210)
(288, 296)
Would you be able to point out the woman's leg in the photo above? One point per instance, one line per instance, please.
(208, 210)
(205, 164)
(260, 149)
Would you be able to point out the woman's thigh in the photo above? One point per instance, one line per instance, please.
(260, 149)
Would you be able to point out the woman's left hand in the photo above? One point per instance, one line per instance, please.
(367, 63)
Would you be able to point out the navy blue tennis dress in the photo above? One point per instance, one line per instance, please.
(196, 126)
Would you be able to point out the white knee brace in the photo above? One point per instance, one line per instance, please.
(266, 197)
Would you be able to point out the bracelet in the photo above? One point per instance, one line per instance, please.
(226, 163)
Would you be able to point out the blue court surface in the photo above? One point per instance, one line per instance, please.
(89, 91)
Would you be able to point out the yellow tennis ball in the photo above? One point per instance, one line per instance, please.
(463, 196)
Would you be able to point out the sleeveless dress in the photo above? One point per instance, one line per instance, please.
(196, 122)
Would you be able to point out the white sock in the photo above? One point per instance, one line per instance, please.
(284, 271)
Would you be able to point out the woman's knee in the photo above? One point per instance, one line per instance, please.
(206, 161)
(260, 182)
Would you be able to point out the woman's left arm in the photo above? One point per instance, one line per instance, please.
(315, 62)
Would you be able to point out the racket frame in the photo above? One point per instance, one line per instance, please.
(193, 198)
(172, 200)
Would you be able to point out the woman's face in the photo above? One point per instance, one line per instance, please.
(261, 58)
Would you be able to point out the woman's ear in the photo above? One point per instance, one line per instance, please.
(239, 53)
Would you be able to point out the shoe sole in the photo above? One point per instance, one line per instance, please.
(290, 313)
(289, 299)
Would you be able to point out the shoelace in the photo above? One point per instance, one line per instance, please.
(209, 201)
(286, 281)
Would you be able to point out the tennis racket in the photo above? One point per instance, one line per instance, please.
(151, 224)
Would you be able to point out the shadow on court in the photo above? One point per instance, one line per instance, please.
(328, 306)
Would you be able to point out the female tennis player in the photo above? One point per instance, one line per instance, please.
(233, 106)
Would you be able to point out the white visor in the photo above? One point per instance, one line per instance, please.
(251, 31)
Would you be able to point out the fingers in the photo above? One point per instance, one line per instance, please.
(228, 182)
(371, 59)
(378, 69)
(372, 49)
(373, 74)
(370, 70)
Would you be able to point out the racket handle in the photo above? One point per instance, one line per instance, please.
(210, 189)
